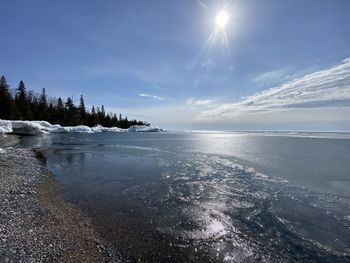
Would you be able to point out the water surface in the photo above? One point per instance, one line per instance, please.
(210, 197)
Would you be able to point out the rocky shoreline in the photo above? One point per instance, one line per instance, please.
(36, 223)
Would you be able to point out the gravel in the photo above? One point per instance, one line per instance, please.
(36, 223)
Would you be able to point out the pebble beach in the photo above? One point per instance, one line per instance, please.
(36, 223)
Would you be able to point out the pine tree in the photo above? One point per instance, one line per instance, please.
(43, 99)
(103, 113)
(20, 98)
(82, 110)
(60, 111)
(51, 114)
(109, 120)
(33, 103)
(126, 123)
(25, 105)
(115, 120)
(60, 103)
(42, 107)
(92, 118)
(70, 116)
(102, 116)
(7, 107)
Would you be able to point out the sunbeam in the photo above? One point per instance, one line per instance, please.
(221, 23)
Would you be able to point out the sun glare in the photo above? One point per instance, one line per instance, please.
(218, 33)
(222, 19)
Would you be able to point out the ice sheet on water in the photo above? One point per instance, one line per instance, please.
(231, 203)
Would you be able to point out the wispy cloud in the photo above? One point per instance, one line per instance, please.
(327, 88)
(196, 102)
(151, 96)
(272, 76)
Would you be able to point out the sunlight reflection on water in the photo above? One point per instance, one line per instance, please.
(197, 197)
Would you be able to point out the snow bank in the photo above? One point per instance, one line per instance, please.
(39, 127)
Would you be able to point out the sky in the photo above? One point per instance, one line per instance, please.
(275, 65)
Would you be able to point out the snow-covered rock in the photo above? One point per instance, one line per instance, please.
(31, 127)
(143, 128)
(5, 126)
(79, 129)
(39, 127)
(100, 128)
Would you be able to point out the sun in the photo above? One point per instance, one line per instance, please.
(221, 20)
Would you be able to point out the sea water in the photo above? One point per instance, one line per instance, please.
(210, 196)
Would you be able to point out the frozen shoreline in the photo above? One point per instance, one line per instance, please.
(36, 223)
(39, 127)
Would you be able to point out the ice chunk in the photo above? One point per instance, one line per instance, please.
(100, 128)
(143, 128)
(5, 126)
(31, 127)
(79, 129)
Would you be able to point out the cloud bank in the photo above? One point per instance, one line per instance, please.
(329, 88)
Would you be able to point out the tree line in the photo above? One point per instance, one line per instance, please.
(25, 105)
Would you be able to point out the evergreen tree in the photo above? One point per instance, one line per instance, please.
(32, 101)
(43, 99)
(60, 103)
(92, 117)
(82, 110)
(60, 111)
(108, 121)
(42, 107)
(103, 113)
(21, 90)
(115, 120)
(102, 116)
(26, 105)
(126, 123)
(7, 107)
(22, 102)
(51, 114)
(98, 116)
(70, 116)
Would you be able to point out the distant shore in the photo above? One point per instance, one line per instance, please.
(36, 223)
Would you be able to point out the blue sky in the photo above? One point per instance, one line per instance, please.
(284, 65)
